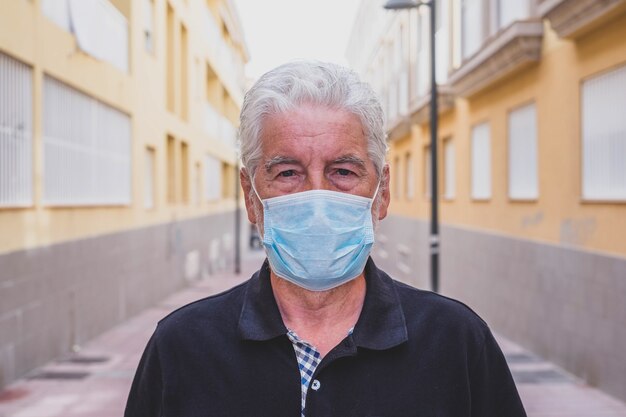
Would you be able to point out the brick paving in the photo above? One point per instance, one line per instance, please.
(95, 381)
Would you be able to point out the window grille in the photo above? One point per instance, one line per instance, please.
(604, 136)
(87, 149)
(523, 168)
(481, 161)
(16, 138)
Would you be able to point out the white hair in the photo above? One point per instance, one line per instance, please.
(310, 82)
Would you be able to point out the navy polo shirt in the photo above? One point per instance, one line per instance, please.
(412, 353)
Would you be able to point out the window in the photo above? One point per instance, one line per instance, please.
(423, 55)
(16, 137)
(510, 11)
(392, 95)
(148, 179)
(426, 165)
(197, 184)
(87, 149)
(523, 168)
(148, 25)
(481, 162)
(212, 178)
(396, 177)
(228, 180)
(409, 182)
(449, 160)
(604, 136)
(402, 75)
(471, 26)
(101, 30)
(184, 172)
(442, 39)
(184, 73)
(399, 52)
(439, 16)
(170, 86)
(58, 11)
(171, 169)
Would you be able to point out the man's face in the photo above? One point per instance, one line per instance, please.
(314, 148)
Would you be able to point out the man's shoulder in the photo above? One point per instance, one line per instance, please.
(435, 311)
(210, 311)
(431, 300)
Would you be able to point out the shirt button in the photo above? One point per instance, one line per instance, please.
(316, 385)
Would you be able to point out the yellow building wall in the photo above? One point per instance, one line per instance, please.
(559, 215)
(30, 37)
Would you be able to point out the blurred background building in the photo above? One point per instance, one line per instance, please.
(532, 139)
(117, 162)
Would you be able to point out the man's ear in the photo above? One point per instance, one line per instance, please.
(385, 196)
(246, 186)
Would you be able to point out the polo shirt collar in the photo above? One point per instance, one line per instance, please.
(381, 324)
(260, 318)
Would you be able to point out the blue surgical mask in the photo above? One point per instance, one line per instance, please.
(318, 239)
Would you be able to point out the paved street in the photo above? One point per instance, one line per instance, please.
(95, 382)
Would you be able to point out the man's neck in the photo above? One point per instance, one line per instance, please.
(323, 318)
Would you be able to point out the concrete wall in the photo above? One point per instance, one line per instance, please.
(59, 296)
(563, 303)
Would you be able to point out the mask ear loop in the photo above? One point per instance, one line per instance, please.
(254, 189)
(377, 189)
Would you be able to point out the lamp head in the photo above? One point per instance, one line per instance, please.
(404, 4)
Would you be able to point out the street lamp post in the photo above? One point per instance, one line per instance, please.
(434, 196)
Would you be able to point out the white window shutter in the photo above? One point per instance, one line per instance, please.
(16, 137)
(481, 161)
(449, 169)
(87, 149)
(604, 136)
(212, 178)
(523, 164)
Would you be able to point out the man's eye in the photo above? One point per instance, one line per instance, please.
(288, 173)
(344, 172)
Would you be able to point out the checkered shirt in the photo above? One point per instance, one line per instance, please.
(308, 358)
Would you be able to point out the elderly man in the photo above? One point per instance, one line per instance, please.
(319, 330)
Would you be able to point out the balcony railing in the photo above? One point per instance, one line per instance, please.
(228, 61)
(219, 127)
(100, 29)
(505, 53)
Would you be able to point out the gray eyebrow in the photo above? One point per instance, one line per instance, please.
(277, 160)
(351, 159)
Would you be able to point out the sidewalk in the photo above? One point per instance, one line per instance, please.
(95, 381)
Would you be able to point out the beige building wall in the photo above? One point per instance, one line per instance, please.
(546, 270)
(73, 266)
(560, 215)
(30, 37)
